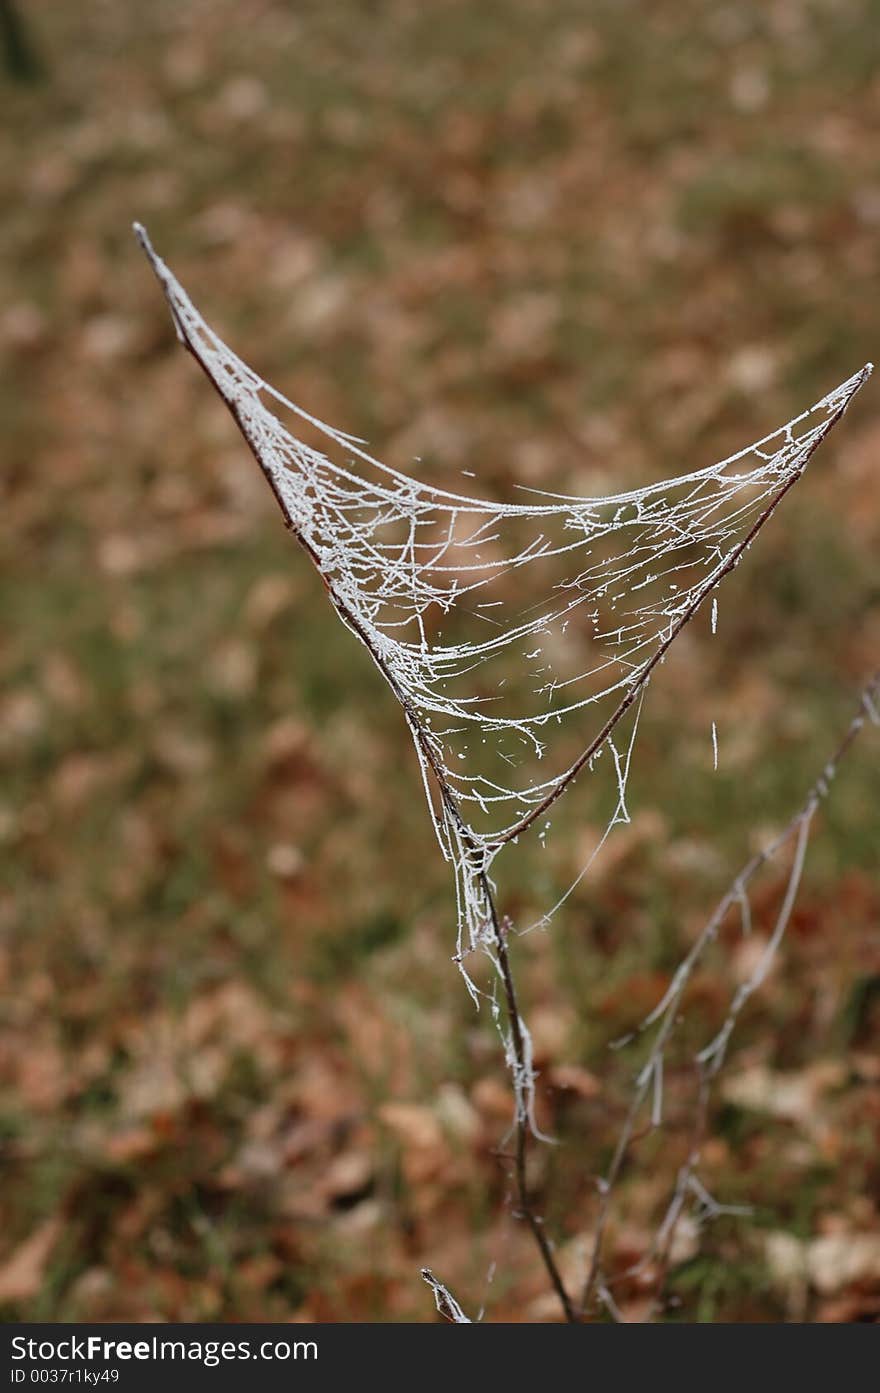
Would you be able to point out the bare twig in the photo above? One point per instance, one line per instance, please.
(444, 1300)
(522, 1075)
(710, 1059)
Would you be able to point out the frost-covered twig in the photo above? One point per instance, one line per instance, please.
(523, 1088)
(710, 1059)
(444, 1300)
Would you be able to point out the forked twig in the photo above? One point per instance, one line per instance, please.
(710, 1059)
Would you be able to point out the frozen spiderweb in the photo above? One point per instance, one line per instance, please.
(515, 635)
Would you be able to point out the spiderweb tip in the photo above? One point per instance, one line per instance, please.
(162, 274)
(854, 384)
(862, 376)
(141, 236)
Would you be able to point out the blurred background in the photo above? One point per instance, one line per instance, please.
(579, 246)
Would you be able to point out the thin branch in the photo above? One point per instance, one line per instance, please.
(444, 1300)
(522, 1071)
(665, 1014)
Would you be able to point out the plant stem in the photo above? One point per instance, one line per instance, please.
(526, 1211)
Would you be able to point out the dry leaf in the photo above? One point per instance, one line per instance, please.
(21, 1276)
(841, 1259)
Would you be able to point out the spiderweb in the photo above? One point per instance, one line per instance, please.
(515, 635)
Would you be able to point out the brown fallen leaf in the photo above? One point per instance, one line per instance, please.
(838, 1260)
(132, 1144)
(348, 1174)
(492, 1099)
(413, 1124)
(21, 1277)
(550, 1028)
(793, 1095)
(853, 1306)
(457, 1114)
(573, 1079)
